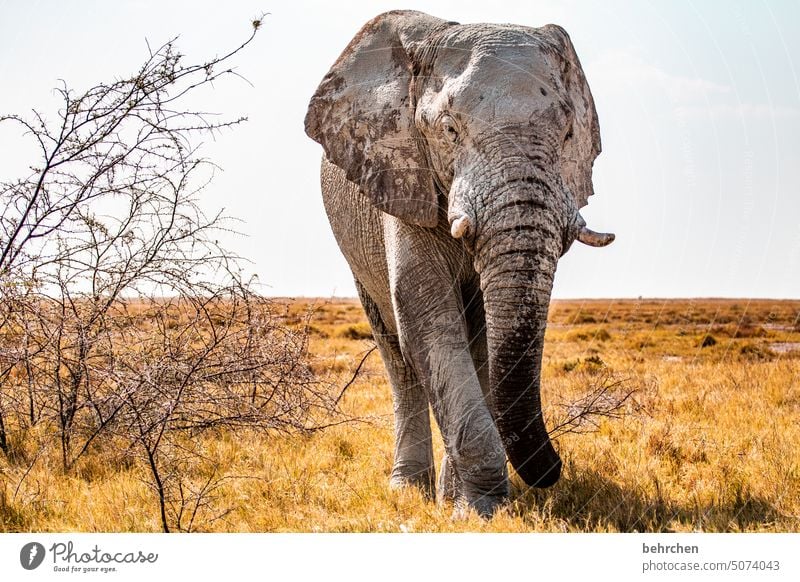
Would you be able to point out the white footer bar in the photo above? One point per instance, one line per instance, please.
(390, 557)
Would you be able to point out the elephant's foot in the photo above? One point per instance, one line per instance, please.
(484, 506)
(484, 498)
(404, 475)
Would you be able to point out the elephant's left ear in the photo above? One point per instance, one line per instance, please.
(585, 143)
(363, 115)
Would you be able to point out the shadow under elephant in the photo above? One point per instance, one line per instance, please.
(589, 500)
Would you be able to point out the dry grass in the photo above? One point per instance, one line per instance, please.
(711, 442)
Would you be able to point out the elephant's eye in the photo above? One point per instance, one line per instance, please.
(449, 130)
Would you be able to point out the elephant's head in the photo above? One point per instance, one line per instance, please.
(493, 128)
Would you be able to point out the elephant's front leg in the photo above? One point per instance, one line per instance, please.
(413, 449)
(476, 460)
(449, 486)
(434, 337)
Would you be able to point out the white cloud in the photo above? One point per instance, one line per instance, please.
(617, 72)
(756, 111)
(623, 71)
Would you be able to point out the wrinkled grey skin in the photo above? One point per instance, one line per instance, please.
(456, 159)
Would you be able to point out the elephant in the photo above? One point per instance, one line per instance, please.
(456, 158)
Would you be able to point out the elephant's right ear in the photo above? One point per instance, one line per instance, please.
(363, 115)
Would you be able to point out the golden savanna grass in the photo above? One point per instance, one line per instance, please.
(708, 442)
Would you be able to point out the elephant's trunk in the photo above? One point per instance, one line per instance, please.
(516, 252)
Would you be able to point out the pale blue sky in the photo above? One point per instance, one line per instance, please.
(699, 106)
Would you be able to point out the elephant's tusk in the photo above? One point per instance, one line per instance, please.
(595, 239)
(460, 227)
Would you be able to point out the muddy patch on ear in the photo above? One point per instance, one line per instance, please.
(363, 115)
(315, 121)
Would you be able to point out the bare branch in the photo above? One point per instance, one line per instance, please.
(124, 324)
(355, 374)
(608, 399)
